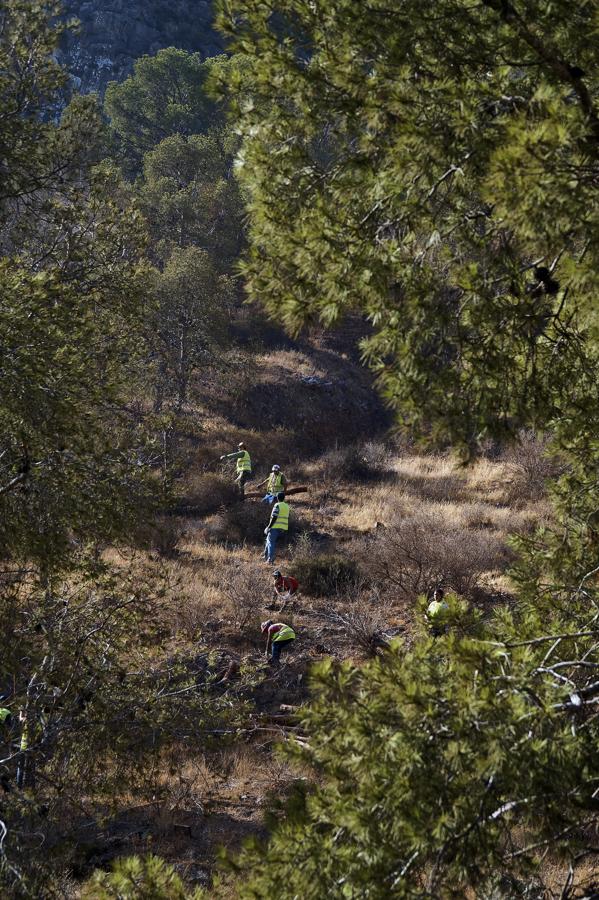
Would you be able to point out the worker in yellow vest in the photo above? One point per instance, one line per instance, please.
(243, 466)
(437, 613)
(275, 483)
(276, 528)
(278, 637)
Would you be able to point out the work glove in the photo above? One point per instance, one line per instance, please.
(221, 458)
(266, 530)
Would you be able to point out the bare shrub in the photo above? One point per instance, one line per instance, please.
(531, 465)
(422, 551)
(365, 627)
(198, 605)
(326, 575)
(244, 522)
(365, 619)
(245, 591)
(377, 456)
(161, 536)
(303, 545)
(353, 463)
(206, 493)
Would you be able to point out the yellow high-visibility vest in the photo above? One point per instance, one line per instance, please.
(244, 463)
(281, 510)
(286, 633)
(275, 483)
(437, 610)
(4, 714)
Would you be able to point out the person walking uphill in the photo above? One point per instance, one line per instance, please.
(275, 483)
(277, 526)
(244, 466)
(278, 637)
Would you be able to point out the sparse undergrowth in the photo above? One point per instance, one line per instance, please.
(378, 528)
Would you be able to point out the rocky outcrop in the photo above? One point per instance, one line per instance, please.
(113, 33)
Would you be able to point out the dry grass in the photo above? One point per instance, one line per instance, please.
(431, 521)
(206, 492)
(408, 521)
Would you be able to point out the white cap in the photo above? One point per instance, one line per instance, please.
(276, 468)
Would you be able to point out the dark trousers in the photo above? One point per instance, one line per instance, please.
(277, 647)
(241, 480)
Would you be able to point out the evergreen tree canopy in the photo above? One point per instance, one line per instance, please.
(444, 769)
(190, 322)
(190, 198)
(434, 167)
(167, 94)
(70, 304)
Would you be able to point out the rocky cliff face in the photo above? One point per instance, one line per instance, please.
(114, 33)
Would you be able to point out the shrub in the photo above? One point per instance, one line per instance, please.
(161, 536)
(365, 622)
(325, 575)
(353, 463)
(208, 492)
(245, 590)
(245, 523)
(531, 465)
(422, 551)
(377, 457)
(242, 523)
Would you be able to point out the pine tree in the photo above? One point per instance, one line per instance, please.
(435, 170)
(71, 300)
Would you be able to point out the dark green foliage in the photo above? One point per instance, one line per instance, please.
(188, 326)
(436, 172)
(174, 136)
(165, 95)
(428, 772)
(190, 198)
(70, 307)
(325, 576)
(139, 879)
(75, 474)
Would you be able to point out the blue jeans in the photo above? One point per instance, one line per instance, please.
(277, 646)
(269, 498)
(271, 544)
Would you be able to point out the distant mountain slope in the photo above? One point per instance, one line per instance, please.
(114, 33)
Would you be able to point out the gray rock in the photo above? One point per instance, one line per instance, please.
(114, 33)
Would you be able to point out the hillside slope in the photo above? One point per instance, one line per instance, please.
(379, 526)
